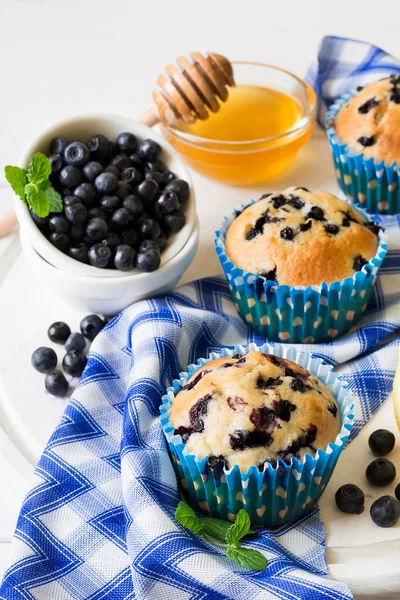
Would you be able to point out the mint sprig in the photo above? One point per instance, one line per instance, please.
(33, 186)
(231, 534)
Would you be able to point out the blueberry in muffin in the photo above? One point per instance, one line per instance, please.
(369, 122)
(301, 237)
(252, 409)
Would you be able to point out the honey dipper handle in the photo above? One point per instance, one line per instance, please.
(8, 222)
(148, 118)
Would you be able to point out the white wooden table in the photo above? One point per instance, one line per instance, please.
(65, 57)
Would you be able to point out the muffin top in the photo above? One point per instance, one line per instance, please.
(369, 122)
(301, 237)
(252, 409)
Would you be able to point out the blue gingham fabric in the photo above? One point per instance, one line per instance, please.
(343, 64)
(98, 523)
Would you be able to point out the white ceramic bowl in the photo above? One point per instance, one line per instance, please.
(82, 128)
(108, 295)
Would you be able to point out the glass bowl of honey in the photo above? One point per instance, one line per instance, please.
(257, 132)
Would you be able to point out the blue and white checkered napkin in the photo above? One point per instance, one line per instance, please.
(99, 522)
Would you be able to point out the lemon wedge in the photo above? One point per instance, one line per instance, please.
(396, 394)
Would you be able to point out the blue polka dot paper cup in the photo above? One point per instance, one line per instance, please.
(368, 184)
(299, 314)
(282, 492)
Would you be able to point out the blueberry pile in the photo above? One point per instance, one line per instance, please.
(385, 511)
(45, 359)
(120, 202)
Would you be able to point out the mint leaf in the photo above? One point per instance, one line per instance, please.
(16, 177)
(239, 529)
(187, 517)
(37, 200)
(215, 527)
(252, 559)
(39, 168)
(44, 185)
(55, 200)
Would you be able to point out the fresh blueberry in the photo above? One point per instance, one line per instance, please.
(168, 202)
(380, 472)
(109, 203)
(106, 183)
(381, 442)
(148, 190)
(70, 177)
(123, 190)
(58, 145)
(174, 221)
(79, 251)
(149, 150)
(77, 232)
(40, 221)
(99, 255)
(120, 219)
(74, 363)
(60, 240)
(155, 165)
(56, 384)
(92, 169)
(129, 237)
(114, 170)
(113, 239)
(397, 491)
(76, 154)
(148, 261)
(149, 229)
(134, 204)
(56, 162)
(97, 212)
(181, 189)
(59, 223)
(97, 229)
(168, 176)
(121, 161)
(75, 341)
(75, 213)
(161, 242)
(385, 512)
(156, 176)
(86, 192)
(124, 259)
(147, 245)
(66, 191)
(112, 150)
(69, 200)
(131, 175)
(126, 142)
(137, 161)
(91, 325)
(99, 147)
(44, 359)
(350, 499)
(58, 332)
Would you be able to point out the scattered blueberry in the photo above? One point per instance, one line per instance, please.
(58, 332)
(75, 341)
(91, 325)
(385, 512)
(350, 499)
(74, 363)
(380, 472)
(44, 360)
(99, 255)
(56, 384)
(124, 259)
(76, 154)
(381, 442)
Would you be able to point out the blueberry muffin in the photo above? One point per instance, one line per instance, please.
(369, 122)
(252, 409)
(301, 237)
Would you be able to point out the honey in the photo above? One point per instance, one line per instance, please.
(254, 136)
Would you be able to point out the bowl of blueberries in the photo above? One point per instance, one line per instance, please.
(128, 228)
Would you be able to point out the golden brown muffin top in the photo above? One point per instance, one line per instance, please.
(369, 122)
(250, 409)
(301, 237)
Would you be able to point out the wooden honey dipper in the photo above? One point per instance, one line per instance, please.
(192, 90)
